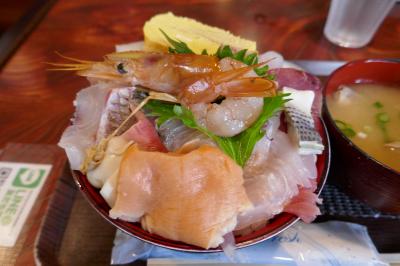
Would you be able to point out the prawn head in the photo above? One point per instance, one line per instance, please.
(105, 70)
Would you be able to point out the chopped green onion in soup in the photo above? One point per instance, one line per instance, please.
(369, 114)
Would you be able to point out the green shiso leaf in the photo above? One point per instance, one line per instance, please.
(238, 147)
(179, 47)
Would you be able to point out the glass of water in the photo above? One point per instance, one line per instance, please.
(353, 23)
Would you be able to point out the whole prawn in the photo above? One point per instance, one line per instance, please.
(191, 78)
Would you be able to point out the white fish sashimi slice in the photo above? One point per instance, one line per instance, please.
(175, 135)
(272, 182)
(273, 59)
(82, 133)
(309, 162)
(261, 149)
(300, 80)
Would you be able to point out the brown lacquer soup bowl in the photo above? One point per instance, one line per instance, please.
(355, 171)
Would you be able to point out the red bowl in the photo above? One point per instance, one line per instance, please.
(357, 173)
(275, 226)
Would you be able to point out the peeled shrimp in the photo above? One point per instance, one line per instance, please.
(230, 117)
(233, 115)
(192, 78)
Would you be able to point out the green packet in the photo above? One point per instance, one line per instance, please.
(20, 185)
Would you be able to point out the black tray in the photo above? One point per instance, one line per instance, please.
(382, 227)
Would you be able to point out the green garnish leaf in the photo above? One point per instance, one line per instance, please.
(204, 52)
(162, 110)
(349, 132)
(261, 71)
(224, 51)
(345, 128)
(271, 76)
(340, 124)
(238, 147)
(178, 47)
(240, 55)
(250, 59)
(381, 120)
(378, 105)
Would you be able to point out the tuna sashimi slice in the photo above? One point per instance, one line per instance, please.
(144, 134)
(304, 205)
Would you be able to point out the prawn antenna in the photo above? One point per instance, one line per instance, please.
(78, 64)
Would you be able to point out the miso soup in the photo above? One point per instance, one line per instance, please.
(369, 114)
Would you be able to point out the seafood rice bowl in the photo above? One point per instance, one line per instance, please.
(197, 151)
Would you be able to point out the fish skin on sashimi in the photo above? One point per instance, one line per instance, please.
(117, 109)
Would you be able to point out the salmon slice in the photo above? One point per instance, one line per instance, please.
(194, 197)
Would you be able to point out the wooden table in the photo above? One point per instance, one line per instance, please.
(36, 105)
